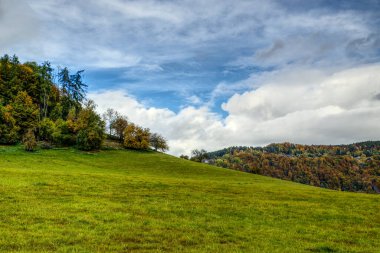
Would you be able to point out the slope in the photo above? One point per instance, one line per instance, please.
(123, 201)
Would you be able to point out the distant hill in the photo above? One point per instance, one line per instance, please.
(353, 167)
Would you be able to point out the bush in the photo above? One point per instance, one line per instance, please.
(29, 140)
(89, 139)
(62, 134)
(46, 129)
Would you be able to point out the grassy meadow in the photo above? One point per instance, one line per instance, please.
(64, 200)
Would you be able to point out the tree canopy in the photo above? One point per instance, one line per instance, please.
(33, 108)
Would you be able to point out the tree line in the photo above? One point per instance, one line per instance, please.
(354, 167)
(43, 106)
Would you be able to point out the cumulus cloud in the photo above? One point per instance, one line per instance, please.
(315, 108)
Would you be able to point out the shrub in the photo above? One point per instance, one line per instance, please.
(29, 140)
(62, 134)
(89, 139)
(46, 129)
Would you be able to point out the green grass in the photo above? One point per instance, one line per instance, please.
(126, 201)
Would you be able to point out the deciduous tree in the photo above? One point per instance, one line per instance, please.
(158, 142)
(136, 137)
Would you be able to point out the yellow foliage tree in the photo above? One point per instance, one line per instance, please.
(136, 137)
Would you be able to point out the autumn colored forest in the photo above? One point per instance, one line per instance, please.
(354, 167)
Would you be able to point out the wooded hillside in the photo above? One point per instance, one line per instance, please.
(354, 167)
(40, 104)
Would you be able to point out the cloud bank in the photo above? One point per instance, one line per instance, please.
(301, 106)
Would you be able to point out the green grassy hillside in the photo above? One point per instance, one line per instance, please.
(123, 201)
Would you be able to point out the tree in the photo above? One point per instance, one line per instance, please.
(90, 128)
(64, 81)
(199, 155)
(46, 129)
(25, 112)
(119, 125)
(136, 137)
(186, 157)
(63, 133)
(9, 131)
(78, 88)
(46, 79)
(158, 142)
(109, 117)
(73, 89)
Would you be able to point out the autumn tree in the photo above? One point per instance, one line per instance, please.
(119, 125)
(25, 112)
(136, 137)
(90, 128)
(8, 128)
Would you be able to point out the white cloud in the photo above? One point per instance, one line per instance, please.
(315, 108)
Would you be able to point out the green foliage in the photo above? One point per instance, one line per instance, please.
(24, 111)
(89, 139)
(30, 99)
(158, 142)
(129, 201)
(199, 155)
(64, 134)
(136, 137)
(29, 140)
(46, 129)
(90, 128)
(186, 157)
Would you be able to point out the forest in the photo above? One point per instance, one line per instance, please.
(354, 167)
(44, 107)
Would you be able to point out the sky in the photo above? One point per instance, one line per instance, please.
(209, 74)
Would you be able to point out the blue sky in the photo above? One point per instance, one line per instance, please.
(215, 70)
